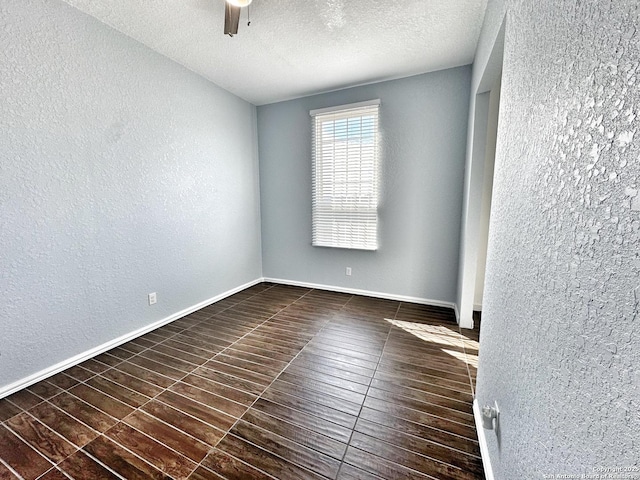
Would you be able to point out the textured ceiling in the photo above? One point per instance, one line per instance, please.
(295, 48)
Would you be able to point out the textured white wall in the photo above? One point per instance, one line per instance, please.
(121, 173)
(423, 128)
(560, 338)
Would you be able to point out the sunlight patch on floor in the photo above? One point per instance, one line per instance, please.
(468, 359)
(441, 335)
(429, 333)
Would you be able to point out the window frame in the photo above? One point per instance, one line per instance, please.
(345, 164)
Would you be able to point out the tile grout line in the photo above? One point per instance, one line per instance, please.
(17, 434)
(55, 466)
(267, 388)
(2, 462)
(366, 395)
(134, 354)
(26, 442)
(250, 306)
(160, 420)
(102, 434)
(88, 454)
(55, 469)
(466, 357)
(178, 381)
(95, 374)
(175, 381)
(367, 392)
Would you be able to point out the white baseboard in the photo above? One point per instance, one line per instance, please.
(482, 440)
(70, 362)
(457, 312)
(366, 293)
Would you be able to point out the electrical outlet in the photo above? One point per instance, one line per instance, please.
(348, 271)
(153, 298)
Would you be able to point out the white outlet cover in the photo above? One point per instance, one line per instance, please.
(152, 298)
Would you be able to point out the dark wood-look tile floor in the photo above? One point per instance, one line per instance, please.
(273, 382)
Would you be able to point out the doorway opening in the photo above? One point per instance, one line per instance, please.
(479, 186)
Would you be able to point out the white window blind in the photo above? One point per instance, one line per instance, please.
(345, 176)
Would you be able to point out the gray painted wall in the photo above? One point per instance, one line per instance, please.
(423, 129)
(560, 338)
(121, 174)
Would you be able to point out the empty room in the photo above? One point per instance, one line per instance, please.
(333, 239)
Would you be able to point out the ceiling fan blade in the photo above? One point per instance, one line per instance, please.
(231, 19)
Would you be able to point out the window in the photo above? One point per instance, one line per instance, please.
(345, 176)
